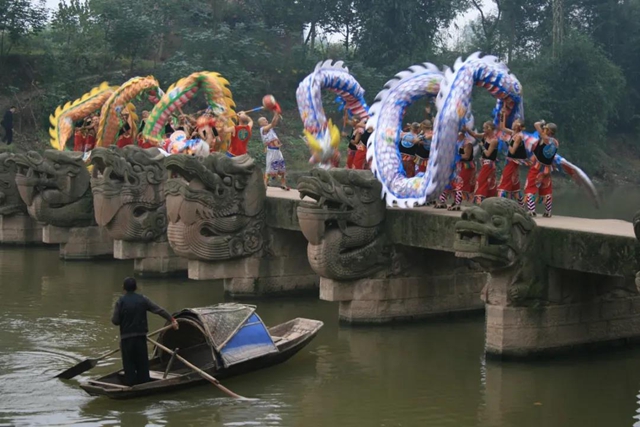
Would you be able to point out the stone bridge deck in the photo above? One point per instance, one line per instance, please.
(596, 246)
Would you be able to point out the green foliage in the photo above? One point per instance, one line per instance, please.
(18, 20)
(591, 88)
(401, 31)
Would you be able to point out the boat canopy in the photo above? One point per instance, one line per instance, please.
(233, 331)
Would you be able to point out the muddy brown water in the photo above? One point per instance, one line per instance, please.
(55, 313)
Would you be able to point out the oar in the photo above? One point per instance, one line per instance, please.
(202, 373)
(87, 364)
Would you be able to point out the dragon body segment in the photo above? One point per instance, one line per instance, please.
(321, 134)
(62, 121)
(216, 91)
(454, 111)
(386, 119)
(109, 116)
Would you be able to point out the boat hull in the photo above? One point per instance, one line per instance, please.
(192, 379)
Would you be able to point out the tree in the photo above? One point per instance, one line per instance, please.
(346, 22)
(393, 31)
(19, 19)
(579, 90)
(127, 25)
(558, 26)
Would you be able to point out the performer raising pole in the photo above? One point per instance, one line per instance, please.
(509, 186)
(275, 166)
(539, 177)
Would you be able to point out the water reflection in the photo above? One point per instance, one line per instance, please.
(595, 391)
(53, 314)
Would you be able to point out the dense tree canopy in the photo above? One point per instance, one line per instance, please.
(585, 78)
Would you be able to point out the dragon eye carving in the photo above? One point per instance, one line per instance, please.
(349, 191)
(498, 221)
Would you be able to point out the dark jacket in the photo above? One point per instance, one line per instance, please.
(7, 120)
(130, 313)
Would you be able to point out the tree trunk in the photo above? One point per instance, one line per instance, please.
(160, 50)
(313, 36)
(346, 40)
(558, 27)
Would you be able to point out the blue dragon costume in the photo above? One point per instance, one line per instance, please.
(322, 136)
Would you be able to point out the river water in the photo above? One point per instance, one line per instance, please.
(55, 313)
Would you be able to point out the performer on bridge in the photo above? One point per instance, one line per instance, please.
(79, 136)
(465, 179)
(486, 183)
(241, 135)
(361, 140)
(539, 177)
(275, 166)
(509, 186)
(352, 147)
(408, 143)
(423, 147)
(93, 123)
(125, 135)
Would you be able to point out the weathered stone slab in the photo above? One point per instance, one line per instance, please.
(395, 299)
(529, 331)
(151, 258)
(80, 243)
(20, 230)
(259, 276)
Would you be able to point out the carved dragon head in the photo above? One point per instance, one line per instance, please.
(342, 196)
(10, 201)
(215, 206)
(344, 222)
(128, 192)
(55, 185)
(497, 233)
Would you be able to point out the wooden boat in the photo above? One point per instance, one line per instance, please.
(224, 340)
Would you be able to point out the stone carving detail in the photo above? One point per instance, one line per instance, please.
(10, 201)
(344, 226)
(128, 192)
(55, 186)
(503, 239)
(215, 206)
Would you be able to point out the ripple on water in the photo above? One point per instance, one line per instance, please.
(30, 394)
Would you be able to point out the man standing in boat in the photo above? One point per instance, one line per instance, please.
(130, 313)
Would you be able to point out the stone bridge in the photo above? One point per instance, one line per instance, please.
(545, 285)
(589, 298)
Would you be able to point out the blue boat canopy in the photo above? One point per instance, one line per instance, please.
(235, 332)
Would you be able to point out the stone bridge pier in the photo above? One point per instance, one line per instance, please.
(554, 285)
(217, 210)
(372, 262)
